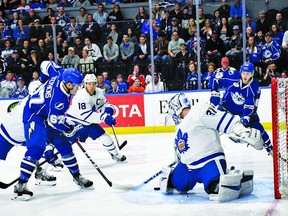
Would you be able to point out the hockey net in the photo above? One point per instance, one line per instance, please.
(279, 90)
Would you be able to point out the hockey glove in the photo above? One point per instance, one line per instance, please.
(49, 154)
(245, 121)
(215, 98)
(108, 119)
(109, 110)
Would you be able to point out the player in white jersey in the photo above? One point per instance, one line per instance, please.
(90, 108)
(200, 156)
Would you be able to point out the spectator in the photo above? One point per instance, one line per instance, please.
(86, 63)
(42, 50)
(161, 48)
(183, 57)
(131, 36)
(25, 49)
(3, 17)
(270, 52)
(37, 4)
(236, 13)
(114, 34)
(148, 77)
(206, 30)
(142, 50)
(12, 23)
(191, 9)
(262, 24)
(62, 18)
(21, 91)
(35, 82)
(114, 87)
(82, 17)
(271, 72)
(8, 86)
(192, 49)
(146, 26)
(93, 51)
(126, 49)
(235, 45)
(166, 22)
(64, 4)
(225, 32)
(19, 66)
(20, 33)
(110, 51)
(201, 17)
(176, 12)
(214, 49)
(6, 53)
(260, 40)
(48, 31)
(159, 13)
(250, 23)
(207, 75)
(71, 60)
(249, 32)
(52, 4)
(62, 50)
(72, 30)
(216, 21)
(81, 3)
(185, 18)
(136, 87)
(122, 86)
(140, 18)
(100, 16)
(281, 22)
(190, 31)
(91, 29)
(36, 32)
(174, 47)
(277, 34)
(192, 77)
(78, 47)
(50, 14)
(174, 27)
(5, 34)
(100, 84)
(33, 61)
(50, 56)
(136, 75)
(30, 19)
(158, 85)
(115, 16)
(224, 9)
(23, 6)
(285, 49)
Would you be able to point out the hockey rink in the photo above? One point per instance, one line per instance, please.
(146, 154)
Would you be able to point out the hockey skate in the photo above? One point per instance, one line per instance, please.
(21, 192)
(83, 182)
(119, 158)
(57, 166)
(43, 178)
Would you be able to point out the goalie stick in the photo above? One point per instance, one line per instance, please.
(114, 185)
(123, 144)
(6, 185)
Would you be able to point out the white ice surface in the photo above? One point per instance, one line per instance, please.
(146, 154)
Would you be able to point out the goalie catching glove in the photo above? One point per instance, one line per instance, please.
(251, 136)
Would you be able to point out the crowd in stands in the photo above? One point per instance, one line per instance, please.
(118, 50)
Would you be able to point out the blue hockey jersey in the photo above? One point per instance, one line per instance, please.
(49, 102)
(241, 99)
(49, 69)
(224, 78)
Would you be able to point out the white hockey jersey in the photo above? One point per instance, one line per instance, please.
(197, 139)
(87, 109)
(11, 126)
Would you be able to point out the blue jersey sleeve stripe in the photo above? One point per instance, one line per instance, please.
(84, 113)
(91, 112)
(221, 121)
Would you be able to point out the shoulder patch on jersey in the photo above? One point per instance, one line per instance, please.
(181, 141)
(59, 106)
(219, 75)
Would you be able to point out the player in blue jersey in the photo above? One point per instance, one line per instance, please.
(242, 99)
(222, 78)
(47, 106)
(200, 156)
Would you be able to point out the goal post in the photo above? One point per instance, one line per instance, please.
(279, 95)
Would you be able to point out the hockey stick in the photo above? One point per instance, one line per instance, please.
(6, 185)
(120, 187)
(123, 144)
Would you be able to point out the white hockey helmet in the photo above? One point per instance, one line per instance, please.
(176, 104)
(90, 78)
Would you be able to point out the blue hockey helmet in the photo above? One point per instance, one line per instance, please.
(176, 105)
(72, 75)
(247, 67)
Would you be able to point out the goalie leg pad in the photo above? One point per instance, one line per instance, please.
(247, 182)
(230, 186)
(165, 187)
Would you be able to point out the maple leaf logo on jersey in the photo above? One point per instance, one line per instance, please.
(181, 141)
(237, 98)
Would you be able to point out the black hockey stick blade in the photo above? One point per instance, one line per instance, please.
(123, 144)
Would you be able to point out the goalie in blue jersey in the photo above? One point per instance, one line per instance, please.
(242, 98)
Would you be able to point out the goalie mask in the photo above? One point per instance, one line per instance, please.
(175, 106)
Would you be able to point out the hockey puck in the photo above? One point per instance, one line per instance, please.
(156, 188)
